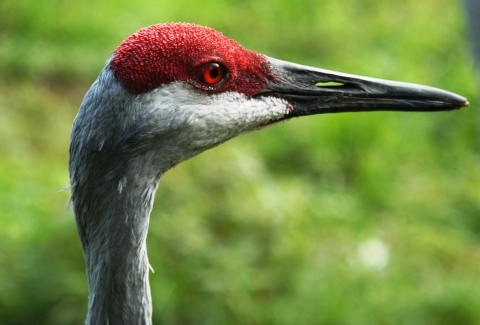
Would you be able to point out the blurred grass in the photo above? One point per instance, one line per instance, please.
(271, 227)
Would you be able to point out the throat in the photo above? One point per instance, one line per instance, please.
(113, 230)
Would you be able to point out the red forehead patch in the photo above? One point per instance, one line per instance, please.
(164, 53)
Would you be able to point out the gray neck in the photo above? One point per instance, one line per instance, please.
(113, 234)
(113, 188)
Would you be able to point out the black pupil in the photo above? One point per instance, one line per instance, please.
(214, 73)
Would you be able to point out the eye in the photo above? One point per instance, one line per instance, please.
(211, 74)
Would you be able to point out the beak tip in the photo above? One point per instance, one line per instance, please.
(462, 104)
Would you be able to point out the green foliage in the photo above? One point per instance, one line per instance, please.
(277, 227)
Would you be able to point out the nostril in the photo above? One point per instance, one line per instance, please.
(329, 84)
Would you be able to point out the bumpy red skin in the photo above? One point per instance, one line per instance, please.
(164, 53)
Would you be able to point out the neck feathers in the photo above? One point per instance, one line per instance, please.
(113, 233)
(112, 195)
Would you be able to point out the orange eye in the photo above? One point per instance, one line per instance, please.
(211, 73)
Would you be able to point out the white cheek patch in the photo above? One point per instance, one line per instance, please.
(237, 112)
(212, 119)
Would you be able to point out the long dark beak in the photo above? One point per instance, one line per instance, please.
(317, 91)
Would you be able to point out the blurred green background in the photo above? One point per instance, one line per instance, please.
(370, 218)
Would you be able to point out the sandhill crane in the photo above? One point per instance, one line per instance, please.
(168, 93)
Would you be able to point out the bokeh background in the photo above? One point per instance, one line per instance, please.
(370, 218)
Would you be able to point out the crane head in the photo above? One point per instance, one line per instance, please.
(182, 89)
(167, 93)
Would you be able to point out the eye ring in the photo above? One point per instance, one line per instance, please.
(211, 74)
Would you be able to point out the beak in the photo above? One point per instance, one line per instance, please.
(316, 91)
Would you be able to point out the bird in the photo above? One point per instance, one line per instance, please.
(170, 92)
